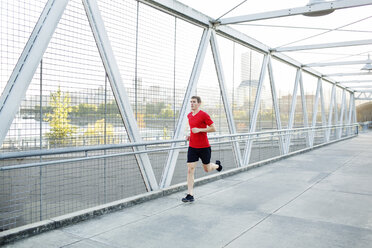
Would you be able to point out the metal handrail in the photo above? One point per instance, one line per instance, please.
(279, 133)
(35, 153)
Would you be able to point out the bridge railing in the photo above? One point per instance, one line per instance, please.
(42, 184)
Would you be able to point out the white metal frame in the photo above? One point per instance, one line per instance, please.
(181, 123)
(337, 63)
(331, 109)
(323, 46)
(24, 70)
(248, 146)
(334, 5)
(342, 112)
(38, 42)
(348, 74)
(292, 110)
(315, 112)
(351, 111)
(117, 85)
(275, 104)
(324, 118)
(225, 100)
(304, 110)
(355, 81)
(366, 95)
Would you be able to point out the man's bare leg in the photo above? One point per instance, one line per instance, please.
(190, 177)
(210, 167)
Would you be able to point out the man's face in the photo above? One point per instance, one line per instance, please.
(194, 104)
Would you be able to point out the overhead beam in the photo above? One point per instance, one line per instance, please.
(180, 10)
(355, 81)
(229, 32)
(358, 62)
(363, 96)
(360, 87)
(309, 9)
(323, 46)
(348, 74)
(363, 91)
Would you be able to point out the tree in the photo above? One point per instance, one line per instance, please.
(167, 112)
(84, 113)
(58, 118)
(96, 133)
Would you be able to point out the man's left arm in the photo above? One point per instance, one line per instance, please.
(208, 129)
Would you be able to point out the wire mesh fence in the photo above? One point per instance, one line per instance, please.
(70, 107)
(46, 186)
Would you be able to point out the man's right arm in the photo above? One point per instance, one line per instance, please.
(187, 131)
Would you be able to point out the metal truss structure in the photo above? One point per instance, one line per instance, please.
(37, 44)
(336, 114)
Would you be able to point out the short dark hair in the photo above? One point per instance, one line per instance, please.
(198, 99)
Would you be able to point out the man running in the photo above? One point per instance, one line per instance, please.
(200, 124)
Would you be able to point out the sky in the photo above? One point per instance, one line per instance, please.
(347, 24)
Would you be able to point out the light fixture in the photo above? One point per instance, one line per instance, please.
(317, 13)
(367, 66)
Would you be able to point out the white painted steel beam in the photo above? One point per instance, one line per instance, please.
(324, 119)
(360, 87)
(346, 112)
(292, 110)
(323, 46)
(309, 9)
(185, 109)
(288, 60)
(358, 62)
(350, 113)
(180, 10)
(355, 81)
(248, 146)
(276, 105)
(364, 91)
(315, 112)
(117, 85)
(363, 95)
(341, 119)
(331, 109)
(354, 111)
(336, 113)
(225, 100)
(304, 111)
(348, 74)
(28, 62)
(242, 38)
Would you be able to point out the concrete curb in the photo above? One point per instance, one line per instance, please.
(29, 230)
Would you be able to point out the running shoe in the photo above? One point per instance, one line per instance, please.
(188, 198)
(218, 162)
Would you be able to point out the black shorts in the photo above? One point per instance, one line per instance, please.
(193, 155)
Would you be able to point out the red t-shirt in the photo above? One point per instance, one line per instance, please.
(200, 120)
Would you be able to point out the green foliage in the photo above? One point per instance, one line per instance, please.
(167, 112)
(111, 109)
(85, 110)
(96, 133)
(58, 119)
(154, 109)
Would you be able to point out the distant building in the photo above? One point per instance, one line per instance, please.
(250, 71)
(286, 101)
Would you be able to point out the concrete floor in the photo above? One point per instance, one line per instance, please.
(322, 198)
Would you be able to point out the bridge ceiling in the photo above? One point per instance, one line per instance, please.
(337, 45)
